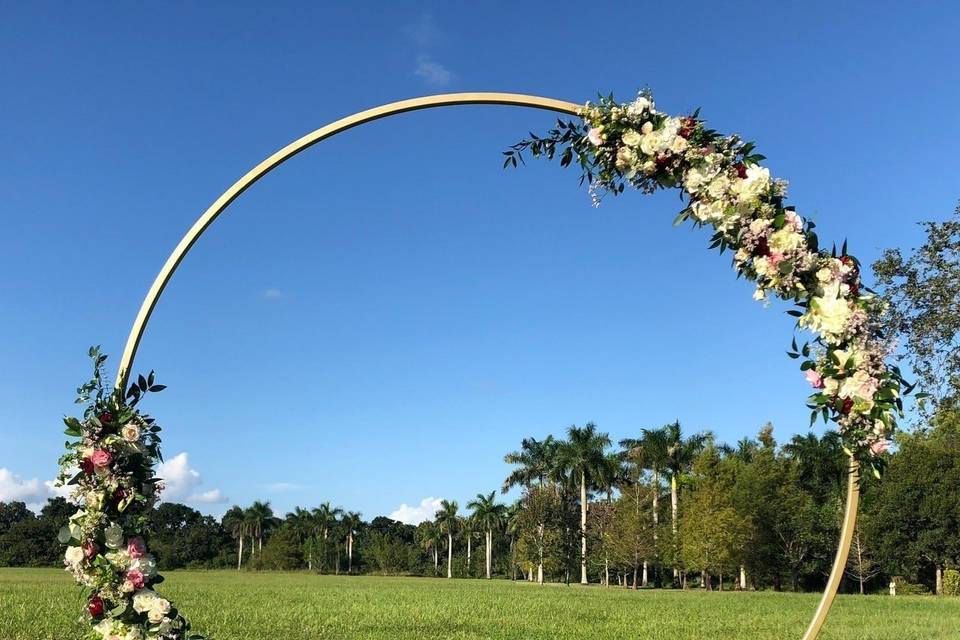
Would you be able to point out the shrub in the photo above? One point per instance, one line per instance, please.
(907, 588)
(951, 582)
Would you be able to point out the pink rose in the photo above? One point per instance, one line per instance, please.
(136, 547)
(879, 446)
(814, 378)
(101, 458)
(594, 137)
(135, 576)
(90, 549)
(775, 258)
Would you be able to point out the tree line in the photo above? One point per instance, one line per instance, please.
(664, 509)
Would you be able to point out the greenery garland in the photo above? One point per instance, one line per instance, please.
(726, 189)
(111, 470)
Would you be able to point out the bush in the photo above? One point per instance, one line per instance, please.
(907, 588)
(951, 582)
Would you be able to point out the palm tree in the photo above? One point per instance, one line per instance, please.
(468, 528)
(428, 535)
(490, 516)
(447, 520)
(583, 454)
(513, 526)
(351, 520)
(301, 521)
(261, 517)
(681, 453)
(234, 521)
(534, 461)
(325, 517)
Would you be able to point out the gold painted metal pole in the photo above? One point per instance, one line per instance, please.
(394, 108)
(843, 550)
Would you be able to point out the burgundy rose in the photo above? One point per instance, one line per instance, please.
(86, 465)
(119, 495)
(90, 549)
(663, 160)
(847, 406)
(95, 607)
(105, 417)
(762, 248)
(687, 127)
(741, 170)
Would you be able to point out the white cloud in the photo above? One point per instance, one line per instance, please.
(181, 481)
(14, 488)
(424, 32)
(273, 294)
(427, 508)
(433, 73)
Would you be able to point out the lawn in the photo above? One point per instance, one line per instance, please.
(42, 604)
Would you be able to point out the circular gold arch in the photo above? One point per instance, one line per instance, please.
(394, 108)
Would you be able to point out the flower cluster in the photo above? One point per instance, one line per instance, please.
(728, 191)
(110, 469)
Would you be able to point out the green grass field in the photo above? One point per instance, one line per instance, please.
(42, 604)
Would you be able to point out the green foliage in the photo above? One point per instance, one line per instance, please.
(951, 582)
(922, 291)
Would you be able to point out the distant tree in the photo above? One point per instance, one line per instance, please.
(11, 513)
(428, 536)
(351, 521)
(915, 508)
(583, 455)
(447, 522)
(181, 536)
(861, 565)
(235, 523)
(489, 515)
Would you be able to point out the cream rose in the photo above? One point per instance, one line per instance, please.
(130, 432)
(631, 138)
(74, 555)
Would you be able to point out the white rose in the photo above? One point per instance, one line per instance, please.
(113, 536)
(74, 555)
(679, 144)
(639, 106)
(625, 159)
(130, 432)
(649, 142)
(830, 386)
(159, 610)
(825, 275)
(750, 188)
(143, 600)
(647, 127)
(785, 240)
(718, 187)
(631, 138)
(146, 564)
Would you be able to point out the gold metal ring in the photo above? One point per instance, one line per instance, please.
(394, 108)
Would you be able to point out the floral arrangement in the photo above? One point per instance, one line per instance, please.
(110, 467)
(727, 190)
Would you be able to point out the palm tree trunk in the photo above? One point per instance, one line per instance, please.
(540, 553)
(673, 512)
(350, 553)
(644, 581)
(469, 550)
(449, 555)
(489, 554)
(743, 578)
(583, 528)
(436, 560)
(240, 554)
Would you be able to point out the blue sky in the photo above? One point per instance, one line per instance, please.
(379, 320)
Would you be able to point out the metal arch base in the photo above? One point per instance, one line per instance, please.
(394, 108)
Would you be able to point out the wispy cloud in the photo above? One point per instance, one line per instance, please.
(181, 482)
(272, 294)
(433, 73)
(425, 34)
(427, 508)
